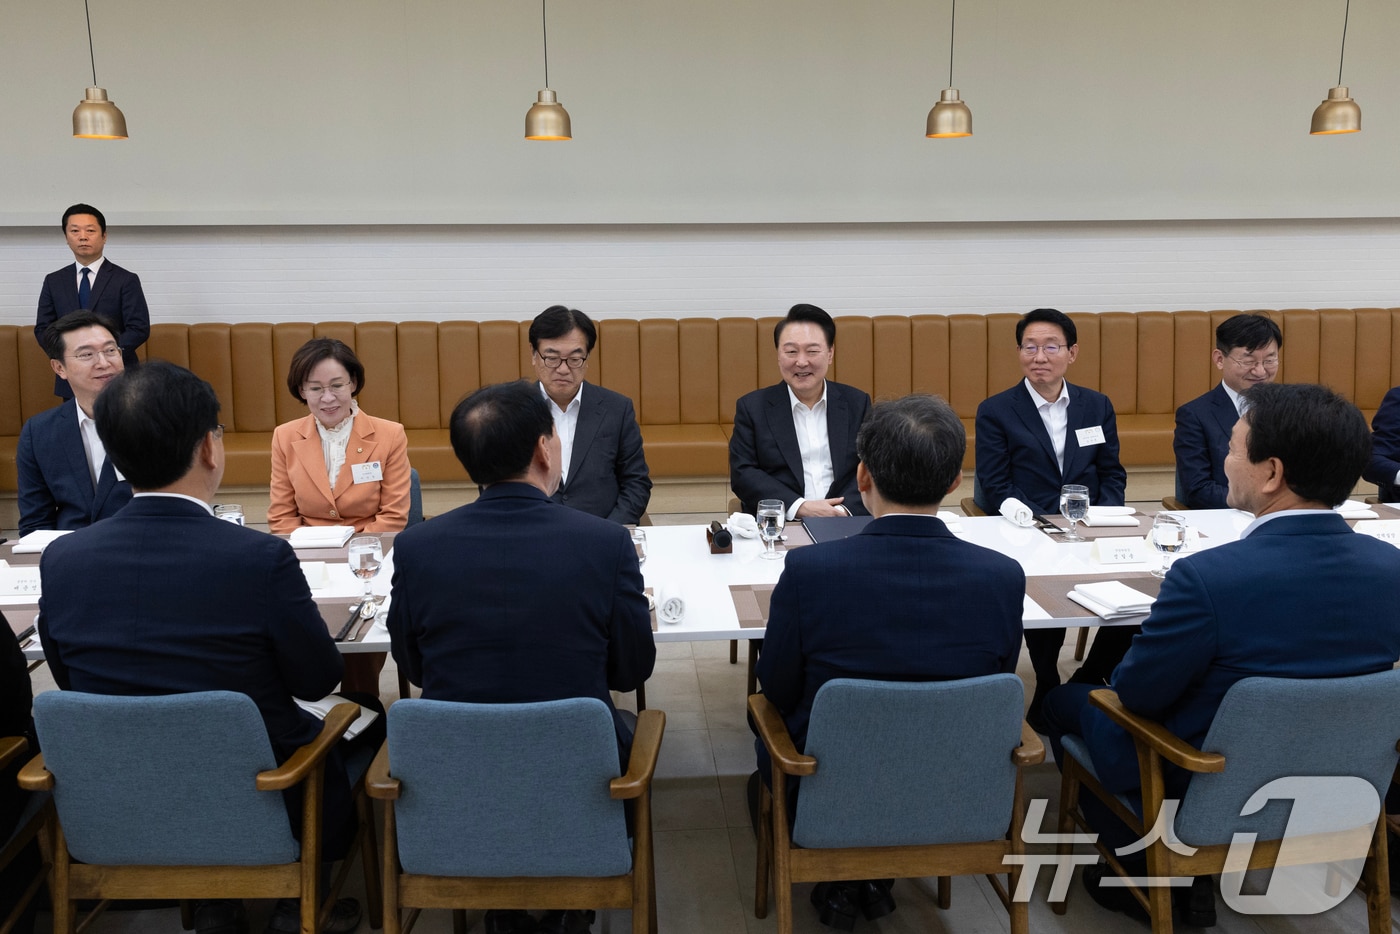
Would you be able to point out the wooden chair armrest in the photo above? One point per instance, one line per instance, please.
(1031, 751)
(1174, 504)
(295, 769)
(34, 776)
(1155, 736)
(641, 764)
(11, 748)
(378, 782)
(773, 731)
(970, 507)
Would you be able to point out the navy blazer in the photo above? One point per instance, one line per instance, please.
(890, 603)
(116, 295)
(55, 486)
(1385, 448)
(1201, 441)
(1300, 597)
(1016, 459)
(163, 598)
(513, 598)
(765, 461)
(608, 474)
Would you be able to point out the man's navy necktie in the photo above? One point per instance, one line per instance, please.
(84, 289)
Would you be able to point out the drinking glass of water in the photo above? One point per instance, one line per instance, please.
(1168, 537)
(639, 542)
(1074, 506)
(366, 555)
(771, 514)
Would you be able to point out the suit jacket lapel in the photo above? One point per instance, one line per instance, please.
(779, 414)
(360, 450)
(1075, 455)
(310, 459)
(71, 440)
(590, 416)
(68, 288)
(106, 483)
(838, 417)
(1030, 417)
(99, 282)
(1225, 412)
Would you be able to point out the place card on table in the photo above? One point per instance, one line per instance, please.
(317, 577)
(1122, 551)
(19, 582)
(1385, 529)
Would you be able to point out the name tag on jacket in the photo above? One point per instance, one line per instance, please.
(372, 472)
(1087, 437)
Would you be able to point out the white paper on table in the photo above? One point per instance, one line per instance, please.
(35, 542)
(320, 708)
(1111, 516)
(321, 536)
(316, 577)
(1098, 609)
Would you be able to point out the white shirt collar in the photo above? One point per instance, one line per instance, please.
(1040, 400)
(795, 402)
(201, 503)
(1235, 398)
(574, 403)
(1282, 513)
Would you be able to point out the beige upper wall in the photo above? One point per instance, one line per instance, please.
(777, 111)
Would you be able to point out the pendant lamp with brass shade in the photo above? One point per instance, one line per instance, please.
(950, 117)
(95, 116)
(1338, 113)
(547, 119)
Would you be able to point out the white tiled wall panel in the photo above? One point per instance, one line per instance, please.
(441, 272)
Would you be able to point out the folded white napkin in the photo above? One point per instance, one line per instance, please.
(321, 536)
(1111, 599)
(1109, 516)
(1018, 512)
(951, 519)
(1351, 509)
(670, 605)
(743, 525)
(36, 542)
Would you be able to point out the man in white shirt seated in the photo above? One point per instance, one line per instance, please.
(796, 441)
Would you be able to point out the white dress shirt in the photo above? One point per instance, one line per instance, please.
(92, 268)
(92, 444)
(1055, 415)
(814, 444)
(565, 425)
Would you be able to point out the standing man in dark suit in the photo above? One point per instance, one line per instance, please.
(550, 605)
(1033, 439)
(1267, 605)
(604, 468)
(890, 603)
(1384, 468)
(796, 441)
(1246, 354)
(163, 598)
(66, 479)
(96, 284)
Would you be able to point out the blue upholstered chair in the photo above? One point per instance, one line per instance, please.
(1266, 729)
(180, 796)
(514, 806)
(37, 810)
(899, 779)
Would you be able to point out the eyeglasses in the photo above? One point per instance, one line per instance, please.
(552, 360)
(1030, 350)
(338, 388)
(1248, 363)
(87, 356)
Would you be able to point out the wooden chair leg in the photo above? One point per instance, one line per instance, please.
(733, 651)
(763, 858)
(459, 921)
(1376, 878)
(65, 909)
(1069, 800)
(404, 687)
(641, 697)
(1082, 644)
(753, 663)
(945, 892)
(389, 872)
(369, 862)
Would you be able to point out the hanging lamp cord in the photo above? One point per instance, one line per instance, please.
(1342, 58)
(952, 30)
(93, 59)
(544, 27)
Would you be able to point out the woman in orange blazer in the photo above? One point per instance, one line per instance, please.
(339, 465)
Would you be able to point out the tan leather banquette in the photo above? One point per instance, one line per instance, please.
(684, 375)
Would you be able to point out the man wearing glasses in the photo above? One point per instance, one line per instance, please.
(66, 480)
(1033, 439)
(604, 470)
(1246, 354)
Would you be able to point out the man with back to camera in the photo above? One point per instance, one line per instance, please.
(163, 598)
(604, 469)
(93, 283)
(66, 481)
(890, 603)
(553, 607)
(796, 441)
(1266, 605)
(1033, 439)
(1246, 354)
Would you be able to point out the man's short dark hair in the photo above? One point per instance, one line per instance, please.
(495, 429)
(1249, 331)
(1321, 438)
(1048, 316)
(312, 353)
(809, 314)
(913, 448)
(83, 209)
(557, 321)
(73, 321)
(151, 420)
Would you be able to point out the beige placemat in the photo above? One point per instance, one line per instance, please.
(1105, 531)
(751, 602)
(1050, 592)
(797, 536)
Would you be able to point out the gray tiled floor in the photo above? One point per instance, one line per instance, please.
(705, 849)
